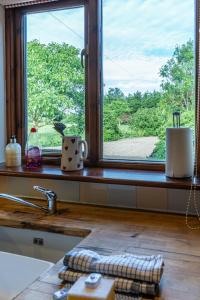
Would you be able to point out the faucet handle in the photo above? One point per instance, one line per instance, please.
(51, 195)
(51, 198)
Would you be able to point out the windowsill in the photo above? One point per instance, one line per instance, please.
(102, 175)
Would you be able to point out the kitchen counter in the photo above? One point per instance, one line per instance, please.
(109, 230)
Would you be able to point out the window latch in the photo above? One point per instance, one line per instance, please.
(84, 52)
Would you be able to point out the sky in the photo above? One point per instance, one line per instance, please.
(139, 36)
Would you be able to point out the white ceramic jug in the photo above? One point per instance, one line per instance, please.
(72, 153)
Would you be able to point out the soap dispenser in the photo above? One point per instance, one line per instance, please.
(13, 153)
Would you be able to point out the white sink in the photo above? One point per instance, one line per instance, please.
(17, 272)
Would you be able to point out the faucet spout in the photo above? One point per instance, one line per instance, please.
(50, 196)
(24, 202)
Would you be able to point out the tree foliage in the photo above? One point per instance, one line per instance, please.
(178, 78)
(148, 121)
(116, 113)
(55, 83)
(114, 94)
(56, 92)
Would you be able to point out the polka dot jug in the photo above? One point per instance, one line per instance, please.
(74, 151)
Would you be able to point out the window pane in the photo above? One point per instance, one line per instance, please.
(55, 77)
(148, 67)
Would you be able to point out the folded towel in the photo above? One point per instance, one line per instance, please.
(126, 297)
(143, 268)
(122, 285)
(118, 296)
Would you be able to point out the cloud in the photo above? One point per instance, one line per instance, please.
(129, 87)
(138, 37)
(58, 26)
(135, 26)
(139, 73)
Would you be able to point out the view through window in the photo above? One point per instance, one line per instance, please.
(148, 63)
(148, 73)
(55, 76)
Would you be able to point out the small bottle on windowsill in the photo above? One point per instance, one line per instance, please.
(13, 153)
(33, 152)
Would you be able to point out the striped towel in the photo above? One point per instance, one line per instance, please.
(122, 285)
(118, 296)
(129, 266)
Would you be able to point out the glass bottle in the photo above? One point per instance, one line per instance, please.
(33, 152)
(13, 153)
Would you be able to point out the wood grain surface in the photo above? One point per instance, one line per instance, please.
(103, 175)
(108, 231)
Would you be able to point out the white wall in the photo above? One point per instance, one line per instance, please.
(65, 190)
(133, 197)
(2, 85)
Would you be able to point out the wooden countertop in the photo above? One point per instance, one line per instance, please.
(108, 231)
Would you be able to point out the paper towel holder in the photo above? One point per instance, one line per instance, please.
(176, 119)
(179, 150)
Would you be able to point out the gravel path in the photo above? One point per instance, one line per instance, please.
(132, 148)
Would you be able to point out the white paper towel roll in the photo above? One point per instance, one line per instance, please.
(179, 152)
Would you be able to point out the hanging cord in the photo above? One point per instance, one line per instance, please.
(193, 188)
(193, 195)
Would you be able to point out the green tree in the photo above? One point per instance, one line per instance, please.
(114, 94)
(151, 99)
(178, 78)
(146, 100)
(135, 101)
(178, 92)
(56, 92)
(115, 113)
(148, 121)
(55, 84)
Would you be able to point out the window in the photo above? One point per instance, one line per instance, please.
(112, 71)
(148, 74)
(55, 77)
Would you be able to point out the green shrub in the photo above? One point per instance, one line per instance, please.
(148, 122)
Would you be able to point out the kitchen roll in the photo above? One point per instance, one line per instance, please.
(179, 152)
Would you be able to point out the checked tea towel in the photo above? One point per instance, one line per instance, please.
(118, 296)
(122, 285)
(129, 266)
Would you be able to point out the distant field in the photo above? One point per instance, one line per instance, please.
(128, 148)
(131, 148)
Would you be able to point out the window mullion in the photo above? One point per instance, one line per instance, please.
(94, 86)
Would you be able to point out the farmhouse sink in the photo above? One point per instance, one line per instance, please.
(17, 272)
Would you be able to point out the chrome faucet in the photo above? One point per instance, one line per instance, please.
(50, 195)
